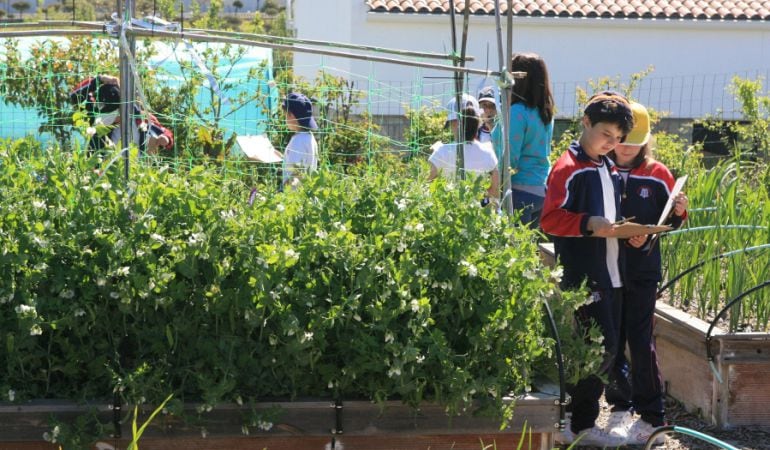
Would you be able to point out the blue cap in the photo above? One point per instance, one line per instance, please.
(302, 109)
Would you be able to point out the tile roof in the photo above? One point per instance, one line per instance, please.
(755, 10)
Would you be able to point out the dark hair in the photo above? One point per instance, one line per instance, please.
(610, 107)
(469, 123)
(534, 89)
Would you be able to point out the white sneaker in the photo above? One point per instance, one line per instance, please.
(598, 437)
(640, 433)
(619, 423)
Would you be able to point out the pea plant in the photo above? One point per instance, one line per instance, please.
(378, 286)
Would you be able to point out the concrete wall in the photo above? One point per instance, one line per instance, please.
(693, 61)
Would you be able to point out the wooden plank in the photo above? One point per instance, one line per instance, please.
(359, 418)
(681, 349)
(433, 442)
(749, 395)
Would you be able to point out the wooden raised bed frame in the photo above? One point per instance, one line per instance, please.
(303, 425)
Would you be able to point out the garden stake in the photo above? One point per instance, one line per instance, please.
(563, 401)
(116, 409)
(337, 422)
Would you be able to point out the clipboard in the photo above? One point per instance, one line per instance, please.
(626, 230)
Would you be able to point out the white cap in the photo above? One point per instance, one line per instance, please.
(467, 101)
(487, 94)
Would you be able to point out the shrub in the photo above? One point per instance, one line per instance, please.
(380, 287)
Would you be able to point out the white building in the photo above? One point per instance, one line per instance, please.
(695, 49)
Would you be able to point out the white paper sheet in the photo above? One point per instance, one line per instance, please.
(257, 148)
(670, 203)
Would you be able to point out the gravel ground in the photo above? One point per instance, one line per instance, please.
(744, 438)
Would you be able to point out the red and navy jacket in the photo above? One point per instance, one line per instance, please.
(574, 193)
(644, 193)
(85, 93)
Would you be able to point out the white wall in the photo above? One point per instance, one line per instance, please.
(693, 61)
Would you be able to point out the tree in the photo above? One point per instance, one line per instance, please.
(237, 4)
(21, 7)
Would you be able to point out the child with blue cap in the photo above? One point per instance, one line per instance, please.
(301, 153)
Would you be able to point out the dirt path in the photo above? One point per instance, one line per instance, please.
(744, 438)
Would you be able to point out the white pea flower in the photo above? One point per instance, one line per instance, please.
(401, 204)
(124, 270)
(307, 336)
(11, 395)
(39, 204)
(90, 131)
(415, 305)
(401, 247)
(472, 270)
(420, 359)
(68, 294)
(557, 273)
(394, 372)
(530, 274)
(101, 282)
(280, 208)
(35, 330)
(245, 430)
(290, 253)
(26, 311)
(321, 234)
(264, 425)
(80, 312)
(419, 228)
(389, 338)
(114, 294)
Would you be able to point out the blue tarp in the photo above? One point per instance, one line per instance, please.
(251, 119)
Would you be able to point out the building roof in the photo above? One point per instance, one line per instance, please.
(746, 10)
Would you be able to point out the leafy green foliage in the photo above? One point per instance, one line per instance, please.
(380, 287)
(426, 126)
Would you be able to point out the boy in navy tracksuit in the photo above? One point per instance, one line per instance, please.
(646, 185)
(581, 204)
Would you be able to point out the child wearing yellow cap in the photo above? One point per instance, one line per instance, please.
(646, 185)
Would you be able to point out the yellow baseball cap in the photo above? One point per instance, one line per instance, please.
(640, 134)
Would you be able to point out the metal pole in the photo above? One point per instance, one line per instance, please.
(208, 38)
(127, 123)
(458, 134)
(505, 110)
(301, 49)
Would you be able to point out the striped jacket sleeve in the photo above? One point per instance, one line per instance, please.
(559, 217)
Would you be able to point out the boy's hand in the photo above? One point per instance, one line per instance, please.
(600, 226)
(680, 204)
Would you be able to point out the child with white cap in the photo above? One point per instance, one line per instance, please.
(478, 158)
(488, 106)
